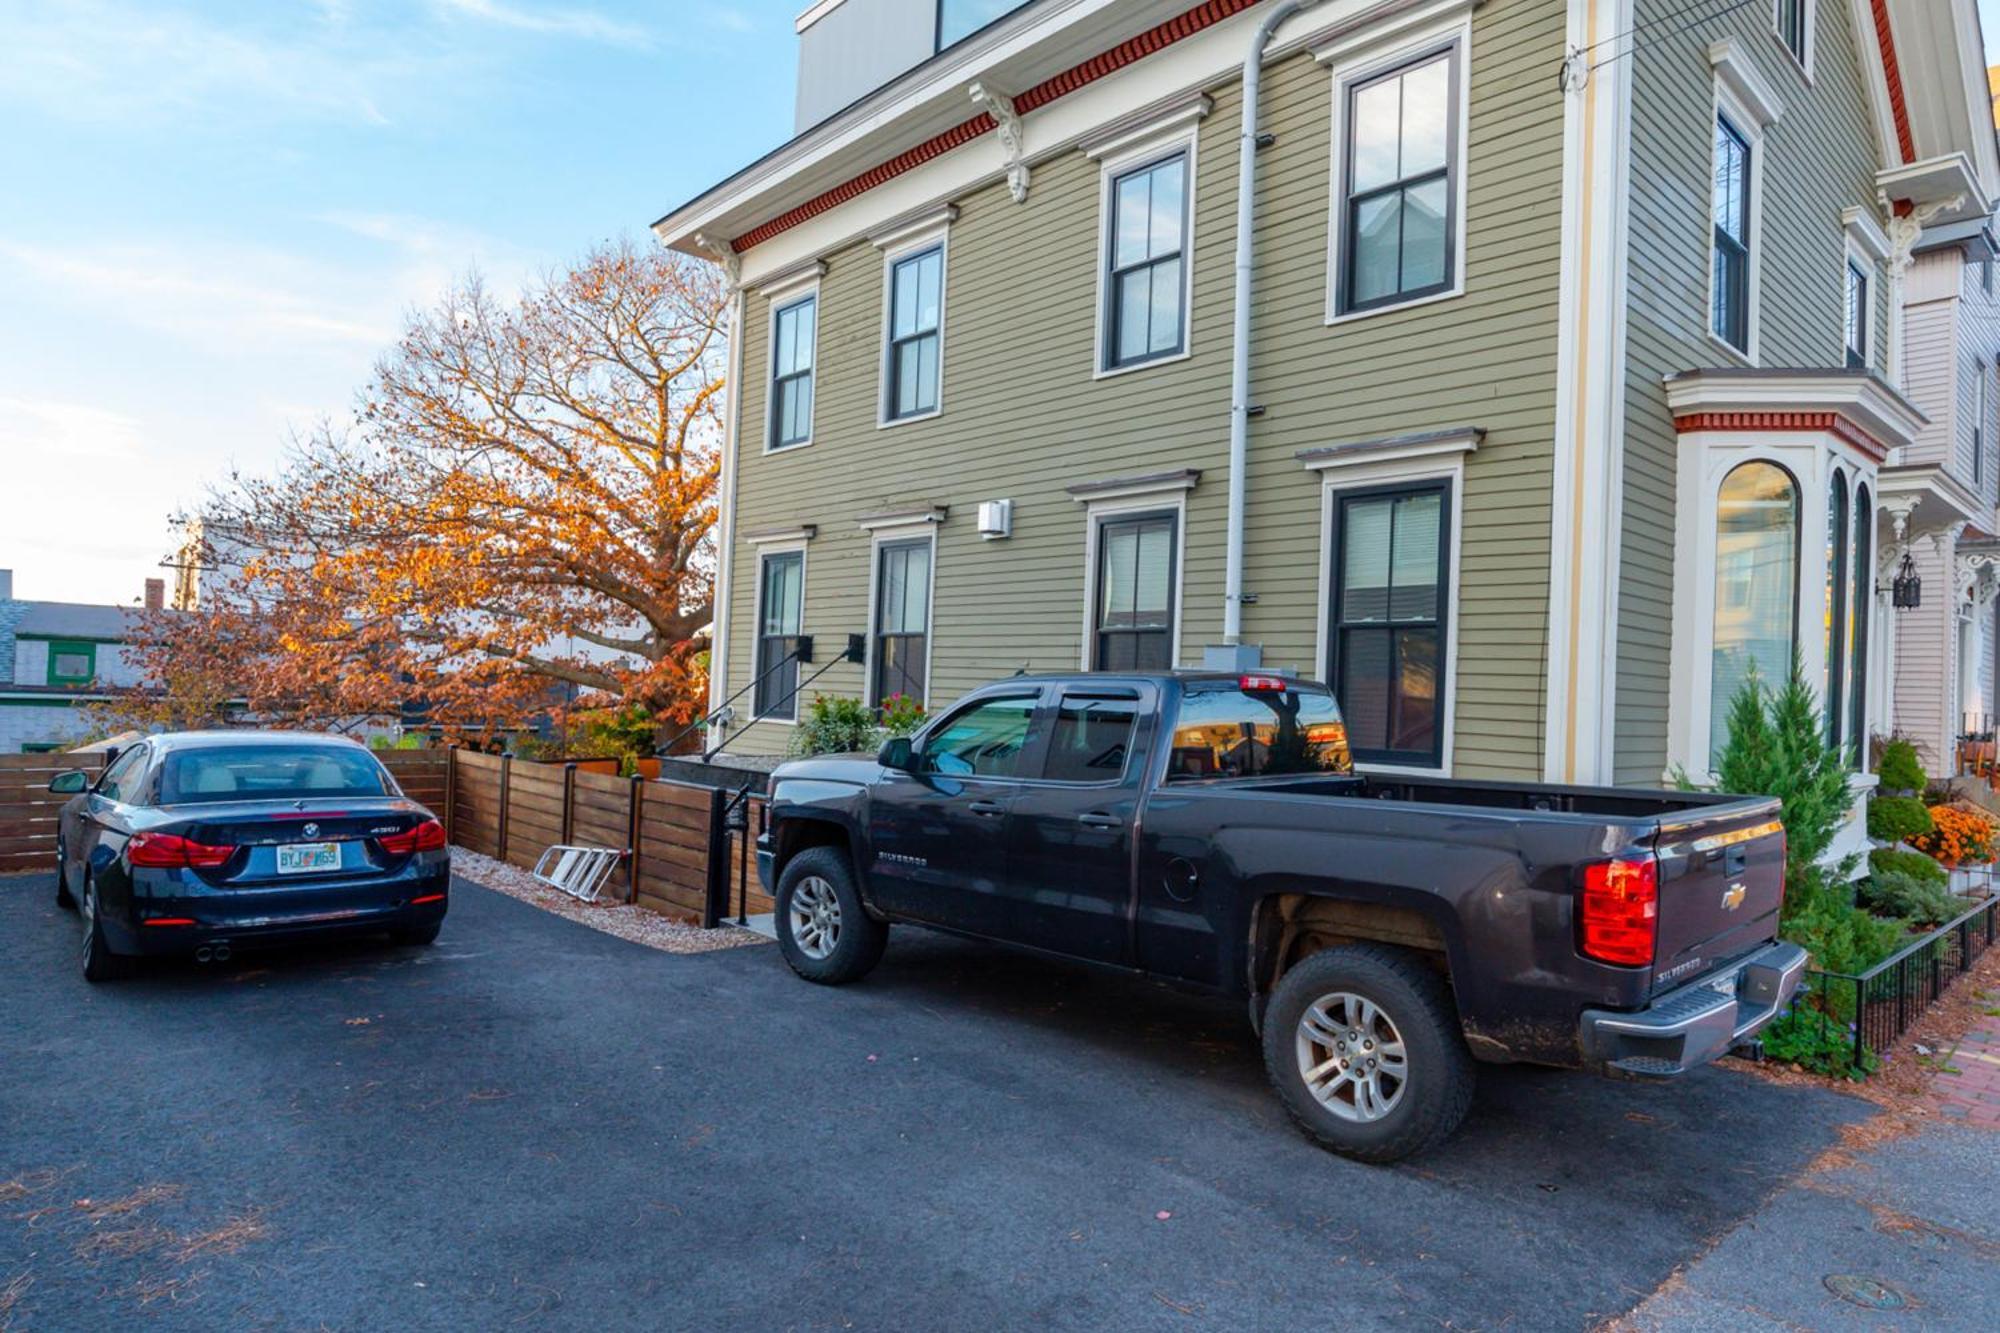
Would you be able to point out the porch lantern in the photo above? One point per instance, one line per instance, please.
(1907, 592)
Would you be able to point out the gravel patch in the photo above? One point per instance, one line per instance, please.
(624, 920)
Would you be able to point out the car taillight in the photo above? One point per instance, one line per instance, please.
(166, 851)
(1620, 910)
(1263, 684)
(425, 837)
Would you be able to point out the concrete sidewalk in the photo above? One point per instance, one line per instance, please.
(1902, 1234)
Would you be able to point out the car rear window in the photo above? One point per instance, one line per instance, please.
(269, 772)
(1234, 732)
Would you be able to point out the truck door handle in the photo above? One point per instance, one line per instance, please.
(1098, 819)
(990, 809)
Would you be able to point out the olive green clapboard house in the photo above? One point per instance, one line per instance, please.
(1571, 356)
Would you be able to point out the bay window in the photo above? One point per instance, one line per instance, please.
(1756, 587)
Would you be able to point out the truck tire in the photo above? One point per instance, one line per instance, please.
(1364, 1047)
(823, 930)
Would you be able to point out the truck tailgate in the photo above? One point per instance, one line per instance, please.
(1722, 881)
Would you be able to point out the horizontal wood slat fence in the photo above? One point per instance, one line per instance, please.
(684, 860)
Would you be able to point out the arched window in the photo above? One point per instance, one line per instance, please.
(1836, 606)
(1862, 579)
(1756, 586)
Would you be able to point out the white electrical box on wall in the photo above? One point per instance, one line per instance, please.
(996, 519)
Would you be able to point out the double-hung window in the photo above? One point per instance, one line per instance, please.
(1399, 187)
(792, 328)
(1134, 623)
(916, 337)
(1146, 277)
(1793, 20)
(1388, 634)
(1729, 303)
(781, 585)
(902, 618)
(1857, 313)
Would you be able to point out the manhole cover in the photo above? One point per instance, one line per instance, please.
(1870, 1293)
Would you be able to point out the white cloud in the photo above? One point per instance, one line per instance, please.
(583, 23)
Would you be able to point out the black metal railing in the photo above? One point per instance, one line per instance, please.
(1879, 1005)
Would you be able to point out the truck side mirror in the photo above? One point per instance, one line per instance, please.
(70, 783)
(897, 754)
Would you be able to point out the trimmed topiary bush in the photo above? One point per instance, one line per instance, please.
(1894, 819)
(1899, 770)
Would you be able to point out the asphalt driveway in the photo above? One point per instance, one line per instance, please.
(532, 1124)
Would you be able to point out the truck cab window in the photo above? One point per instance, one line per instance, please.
(984, 741)
(1242, 733)
(1091, 739)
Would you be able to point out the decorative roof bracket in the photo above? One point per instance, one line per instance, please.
(1001, 107)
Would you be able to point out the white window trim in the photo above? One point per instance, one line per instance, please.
(898, 241)
(1854, 254)
(1124, 503)
(1177, 130)
(789, 296)
(765, 548)
(1803, 64)
(1354, 59)
(887, 534)
(1706, 459)
(1444, 462)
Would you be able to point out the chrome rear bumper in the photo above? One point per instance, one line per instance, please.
(1694, 1024)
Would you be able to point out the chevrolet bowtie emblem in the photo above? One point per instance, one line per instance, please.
(1732, 897)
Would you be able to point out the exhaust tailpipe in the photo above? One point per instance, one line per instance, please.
(203, 954)
(221, 954)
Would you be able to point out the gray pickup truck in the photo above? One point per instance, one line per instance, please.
(1387, 932)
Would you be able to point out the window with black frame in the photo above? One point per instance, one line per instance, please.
(1135, 593)
(959, 19)
(1146, 285)
(1857, 315)
(902, 619)
(1391, 558)
(1400, 161)
(916, 341)
(1790, 19)
(792, 373)
(780, 601)
(1730, 297)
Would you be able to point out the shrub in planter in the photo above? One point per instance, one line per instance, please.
(1840, 937)
(1911, 865)
(1815, 1042)
(1894, 819)
(901, 715)
(1899, 770)
(835, 725)
(1893, 893)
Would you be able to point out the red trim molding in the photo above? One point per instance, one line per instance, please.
(1833, 423)
(1892, 74)
(1157, 38)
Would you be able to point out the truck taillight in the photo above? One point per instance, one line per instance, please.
(425, 837)
(1620, 910)
(1263, 684)
(165, 851)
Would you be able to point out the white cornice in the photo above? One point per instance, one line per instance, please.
(791, 535)
(1180, 112)
(1739, 74)
(913, 516)
(1449, 442)
(1865, 232)
(1124, 488)
(1865, 400)
(1947, 184)
(1384, 25)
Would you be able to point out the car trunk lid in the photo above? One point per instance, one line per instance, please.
(1722, 883)
(351, 827)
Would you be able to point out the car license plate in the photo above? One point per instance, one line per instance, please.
(301, 857)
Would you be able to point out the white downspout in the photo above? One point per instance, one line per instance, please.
(1239, 353)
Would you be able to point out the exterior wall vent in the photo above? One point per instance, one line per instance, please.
(996, 519)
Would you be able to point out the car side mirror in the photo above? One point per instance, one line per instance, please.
(70, 783)
(897, 754)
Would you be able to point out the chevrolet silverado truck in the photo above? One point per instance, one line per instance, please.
(1388, 932)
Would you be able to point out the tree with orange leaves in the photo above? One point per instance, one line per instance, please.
(518, 519)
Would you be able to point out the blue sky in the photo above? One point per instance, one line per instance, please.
(213, 215)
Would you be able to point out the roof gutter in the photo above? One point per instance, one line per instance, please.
(1239, 356)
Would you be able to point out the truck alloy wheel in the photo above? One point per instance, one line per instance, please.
(824, 932)
(814, 913)
(1363, 1045)
(1351, 1057)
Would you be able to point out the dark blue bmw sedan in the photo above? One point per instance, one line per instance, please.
(205, 842)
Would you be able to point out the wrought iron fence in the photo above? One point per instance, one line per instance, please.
(1879, 1005)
